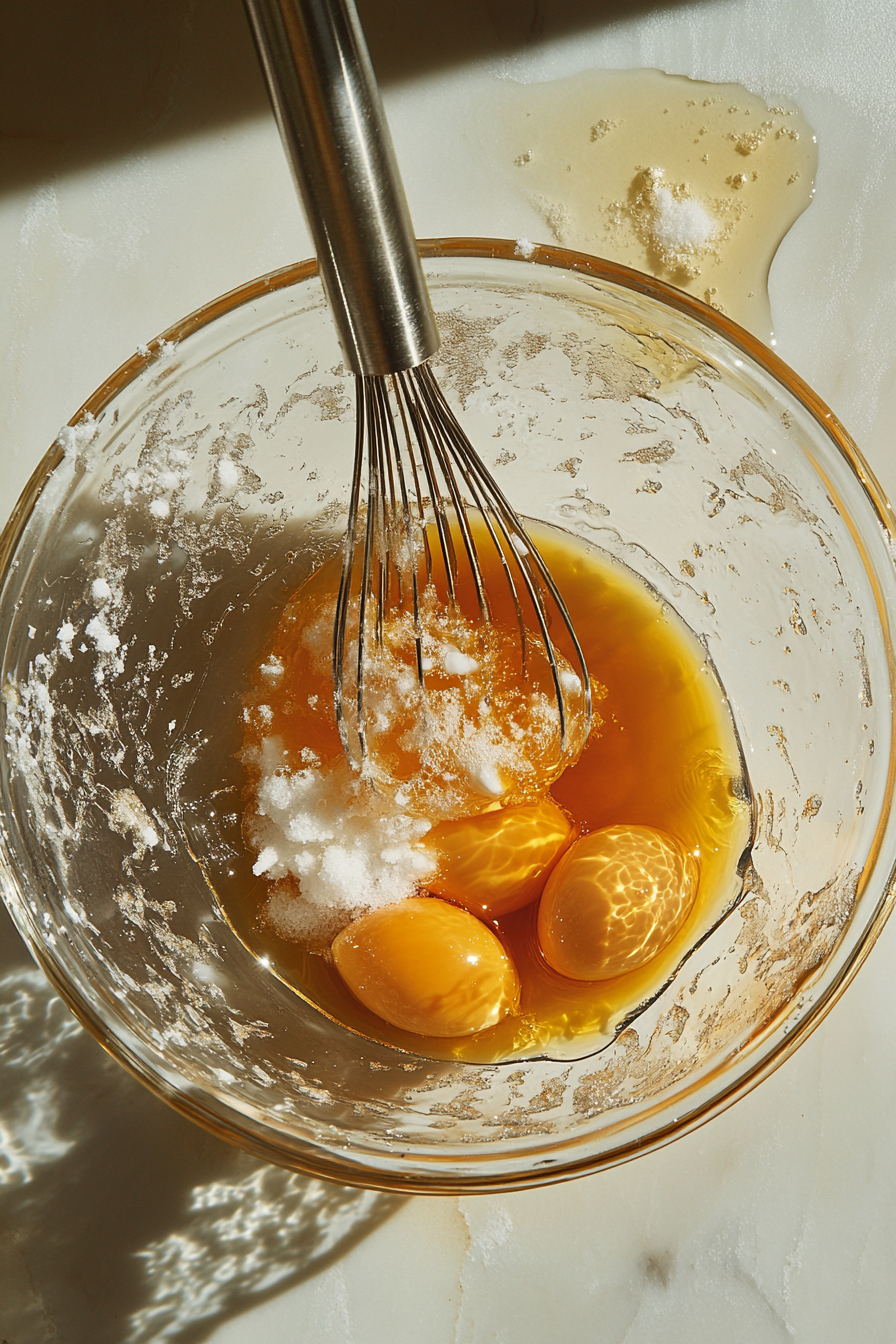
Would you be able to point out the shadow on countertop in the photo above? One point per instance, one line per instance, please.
(88, 82)
(120, 1221)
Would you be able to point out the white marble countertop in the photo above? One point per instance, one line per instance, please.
(140, 176)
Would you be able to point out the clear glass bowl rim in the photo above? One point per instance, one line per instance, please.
(244, 1134)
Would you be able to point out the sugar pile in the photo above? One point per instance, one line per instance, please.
(480, 732)
(676, 225)
(337, 842)
(679, 224)
(351, 848)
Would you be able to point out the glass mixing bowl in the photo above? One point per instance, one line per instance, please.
(148, 560)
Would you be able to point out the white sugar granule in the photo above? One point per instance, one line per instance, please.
(268, 857)
(64, 636)
(351, 849)
(228, 474)
(156, 481)
(524, 248)
(105, 640)
(677, 225)
(487, 780)
(680, 224)
(272, 669)
(100, 590)
(128, 816)
(457, 664)
(77, 440)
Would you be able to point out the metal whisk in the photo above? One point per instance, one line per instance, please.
(431, 505)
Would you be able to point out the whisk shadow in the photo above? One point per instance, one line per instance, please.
(97, 81)
(121, 1222)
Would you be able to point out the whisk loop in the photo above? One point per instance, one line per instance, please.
(430, 508)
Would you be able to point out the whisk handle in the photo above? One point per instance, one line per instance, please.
(331, 119)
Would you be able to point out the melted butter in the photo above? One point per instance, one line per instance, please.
(695, 183)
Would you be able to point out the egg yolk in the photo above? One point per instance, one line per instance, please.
(614, 900)
(498, 862)
(428, 967)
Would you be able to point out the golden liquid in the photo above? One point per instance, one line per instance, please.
(664, 753)
(579, 148)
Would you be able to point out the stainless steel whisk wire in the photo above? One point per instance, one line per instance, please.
(423, 474)
(432, 440)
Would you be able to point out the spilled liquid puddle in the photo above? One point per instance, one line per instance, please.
(695, 183)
